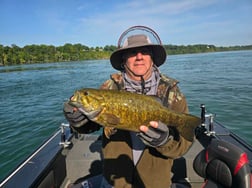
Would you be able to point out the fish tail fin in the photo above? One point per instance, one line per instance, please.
(188, 129)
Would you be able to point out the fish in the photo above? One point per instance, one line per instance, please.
(128, 111)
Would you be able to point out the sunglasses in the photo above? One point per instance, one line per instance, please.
(135, 51)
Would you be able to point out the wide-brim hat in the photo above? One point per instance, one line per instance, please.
(135, 37)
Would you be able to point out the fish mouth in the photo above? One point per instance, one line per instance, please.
(89, 113)
(75, 104)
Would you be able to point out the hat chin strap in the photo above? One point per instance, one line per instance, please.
(136, 75)
(141, 77)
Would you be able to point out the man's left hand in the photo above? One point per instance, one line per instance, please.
(155, 135)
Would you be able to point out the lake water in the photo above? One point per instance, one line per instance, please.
(32, 96)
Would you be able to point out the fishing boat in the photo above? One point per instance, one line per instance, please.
(217, 158)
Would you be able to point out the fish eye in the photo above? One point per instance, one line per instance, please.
(86, 93)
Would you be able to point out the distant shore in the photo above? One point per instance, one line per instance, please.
(30, 54)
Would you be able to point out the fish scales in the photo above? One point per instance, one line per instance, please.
(127, 111)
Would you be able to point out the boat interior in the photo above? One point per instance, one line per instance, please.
(217, 158)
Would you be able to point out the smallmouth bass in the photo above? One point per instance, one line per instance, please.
(127, 111)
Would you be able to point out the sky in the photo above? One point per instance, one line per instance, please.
(97, 23)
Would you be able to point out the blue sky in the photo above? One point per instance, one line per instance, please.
(100, 22)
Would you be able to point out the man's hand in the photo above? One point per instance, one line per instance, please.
(74, 116)
(155, 135)
(78, 120)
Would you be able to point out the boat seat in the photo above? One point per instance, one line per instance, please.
(223, 164)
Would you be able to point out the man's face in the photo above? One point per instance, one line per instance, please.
(139, 63)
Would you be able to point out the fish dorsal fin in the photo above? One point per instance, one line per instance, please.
(111, 119)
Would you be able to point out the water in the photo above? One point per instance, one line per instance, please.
(32, 96)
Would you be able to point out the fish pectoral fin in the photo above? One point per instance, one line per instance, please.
(111, 119)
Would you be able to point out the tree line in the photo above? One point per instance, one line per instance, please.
(15, 55)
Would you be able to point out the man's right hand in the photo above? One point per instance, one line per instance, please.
(74, 116)
(78, 120)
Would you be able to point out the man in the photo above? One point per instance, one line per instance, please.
(141, 159)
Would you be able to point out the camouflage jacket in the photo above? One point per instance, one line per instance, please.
(154, 167)
(168, 91)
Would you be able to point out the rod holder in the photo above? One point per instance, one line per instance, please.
(203, 115)
(207, 121)
(63, 141)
